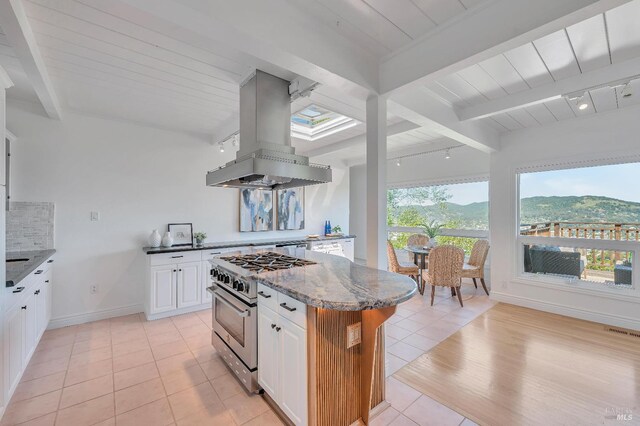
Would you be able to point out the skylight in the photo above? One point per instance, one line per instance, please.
(315, 122)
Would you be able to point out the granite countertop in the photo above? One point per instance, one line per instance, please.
(335, 282)
(17, 271)
(246, 243)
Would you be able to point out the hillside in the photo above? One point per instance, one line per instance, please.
(538, 209)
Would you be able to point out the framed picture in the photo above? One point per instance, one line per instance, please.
(182, 233)
(256, 210)
(290, 209)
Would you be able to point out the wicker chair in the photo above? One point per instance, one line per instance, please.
(419, 240)
(474, 268)
(403, 268)
(445, 269)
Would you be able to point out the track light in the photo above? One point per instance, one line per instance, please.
(447, 154)
(581, 103)
(398, 162)
(221, 146)
(626, 91)
(234, 140)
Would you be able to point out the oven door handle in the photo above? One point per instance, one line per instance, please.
(221, 298)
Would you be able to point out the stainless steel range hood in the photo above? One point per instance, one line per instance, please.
(266, 158)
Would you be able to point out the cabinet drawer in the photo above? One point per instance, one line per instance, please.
(292, 310)
(173, 258)
(268, 297)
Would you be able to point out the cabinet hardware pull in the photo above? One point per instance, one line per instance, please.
(176, 257)
(24, 308)
(180, 270)
(38, 272)
(288, 308)
(18, 290)
(46, 281)
(174, 270)
(50, 261)
(37, 292)
(273, 326)
(263, 294)
(278, 328)
(216, 252)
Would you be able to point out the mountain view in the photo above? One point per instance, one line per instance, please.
(533, 210)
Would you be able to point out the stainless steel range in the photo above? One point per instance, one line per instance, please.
(235, 308)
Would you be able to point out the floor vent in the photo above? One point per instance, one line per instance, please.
(623, 331)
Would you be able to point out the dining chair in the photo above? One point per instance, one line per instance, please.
(404, 268)
(419, 240)
(445, 269)
(474, 267)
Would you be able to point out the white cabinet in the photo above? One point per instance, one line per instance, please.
(188, 285)
(30, 325)
(293, 371)
(342, 247)
(282, 361)
(163, 289)
(13, 348)
(268, 347)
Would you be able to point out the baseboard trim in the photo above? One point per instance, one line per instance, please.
(555, 308)
(76, 319)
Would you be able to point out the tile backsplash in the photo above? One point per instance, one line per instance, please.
(30, 225)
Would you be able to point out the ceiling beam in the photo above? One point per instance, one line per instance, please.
(16, 27)
(581, 82)
(481, 33)
(274, 33)
(394, 129)
(424, 108)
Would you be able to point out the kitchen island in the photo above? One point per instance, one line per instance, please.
(320, 340)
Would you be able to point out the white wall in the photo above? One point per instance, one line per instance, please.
(597, 139)
(465, 165)
(138, 178)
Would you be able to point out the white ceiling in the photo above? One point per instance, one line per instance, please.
(605, 39)
(382, 26)
(104, 61)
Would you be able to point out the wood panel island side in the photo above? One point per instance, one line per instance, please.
(320, 341)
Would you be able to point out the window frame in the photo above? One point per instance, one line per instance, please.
(572, 284)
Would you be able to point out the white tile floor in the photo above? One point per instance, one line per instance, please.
(129, 371)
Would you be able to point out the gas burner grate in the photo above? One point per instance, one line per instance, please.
(266, 262)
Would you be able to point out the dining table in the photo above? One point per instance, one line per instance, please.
(420, 254)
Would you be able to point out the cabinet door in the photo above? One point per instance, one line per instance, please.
(42, 300)
(13, 347)
(268, 346)
(30, 326)
(347, 248)
(293, 371)
(206, 282)
(48, 285)
(189, 288)
(163, 288)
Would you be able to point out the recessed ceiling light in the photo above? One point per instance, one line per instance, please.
(447, 154)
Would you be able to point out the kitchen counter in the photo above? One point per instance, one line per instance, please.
(245, 243)
(17, 271)
(335, 282)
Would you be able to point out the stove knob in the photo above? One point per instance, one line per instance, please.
(227, 279)
(235, 284)
(239, 285)
(246, 288)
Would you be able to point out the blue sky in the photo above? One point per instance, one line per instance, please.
(620, 181)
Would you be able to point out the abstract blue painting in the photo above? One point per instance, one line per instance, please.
(290, 209)
(256, 210)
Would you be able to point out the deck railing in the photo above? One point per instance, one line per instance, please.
(596, 259)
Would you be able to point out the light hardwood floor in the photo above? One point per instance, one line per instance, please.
(517, 366)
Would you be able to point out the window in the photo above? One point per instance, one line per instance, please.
(315, 122)
(462, 210)
(581, 224)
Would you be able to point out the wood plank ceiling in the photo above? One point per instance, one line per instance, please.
(606, 39)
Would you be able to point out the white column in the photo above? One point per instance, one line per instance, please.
(377, 181)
